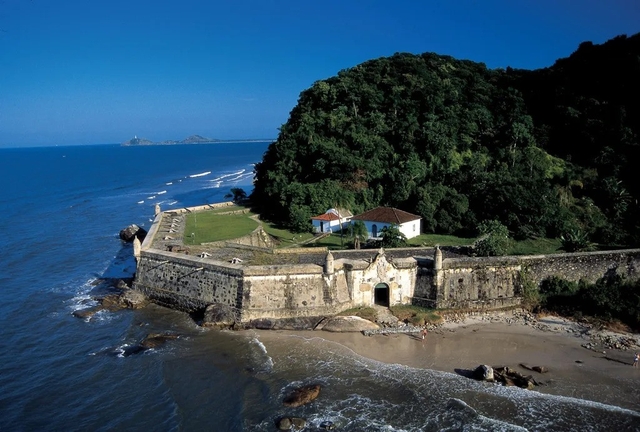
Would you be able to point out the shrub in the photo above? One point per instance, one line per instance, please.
(576, 241)
(494, 239)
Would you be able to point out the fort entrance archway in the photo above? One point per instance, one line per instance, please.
(381, 294)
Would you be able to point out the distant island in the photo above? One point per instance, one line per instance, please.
(193, 139)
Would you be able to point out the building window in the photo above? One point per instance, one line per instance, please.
(414, 227)
(374, 230)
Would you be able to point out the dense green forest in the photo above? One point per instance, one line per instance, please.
(549, 152)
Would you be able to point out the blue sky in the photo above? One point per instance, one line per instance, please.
(89, 72)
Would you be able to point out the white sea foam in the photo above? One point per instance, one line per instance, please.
(224, 176)
(169, 183)
(162, 192)
(151, 197)
(268, 363)
(201, 174)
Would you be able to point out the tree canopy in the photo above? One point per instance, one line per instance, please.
(543, 152)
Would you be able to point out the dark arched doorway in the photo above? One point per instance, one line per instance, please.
(374, 231)
(381, 294)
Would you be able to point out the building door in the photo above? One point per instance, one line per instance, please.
(321, 226)
(381, 294)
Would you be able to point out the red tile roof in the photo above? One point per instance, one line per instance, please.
(326, 217)
(387, 215)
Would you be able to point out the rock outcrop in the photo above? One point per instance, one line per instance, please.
(484, 373)
(220, 316)
(302, 396)
(132, 231)
(291, 423)
(349, 324)
(127, 299)
(155, 340)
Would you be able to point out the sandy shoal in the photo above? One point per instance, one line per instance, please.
(573, 370)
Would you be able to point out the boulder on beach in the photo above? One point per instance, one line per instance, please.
(219, 315)
(302, 396)
(294, 323)
(509, 377)
(483, 373)
(132, 231)
(349, 324)
(539, 369)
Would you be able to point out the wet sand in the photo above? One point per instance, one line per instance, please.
(574, 371)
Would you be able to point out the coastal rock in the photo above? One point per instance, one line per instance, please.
(295, 323)
(133, 299)
(302, 396)
(327, 425)
(291, 423)
(87, 313)
(483, 373)
(349, 324)
(539, 369)
(129, 233)
(509, 377)
(219, 315)
(112, 302)
(155, 340)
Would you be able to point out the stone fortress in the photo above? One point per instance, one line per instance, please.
(325, 283)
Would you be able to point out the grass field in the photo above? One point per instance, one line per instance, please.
(204, 227)
(211, 226)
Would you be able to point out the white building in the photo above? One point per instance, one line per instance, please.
(333, 220)
(380, 217)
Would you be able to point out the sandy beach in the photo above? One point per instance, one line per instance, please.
(596, 373)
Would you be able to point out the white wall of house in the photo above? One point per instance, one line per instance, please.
(326, 226)
(330, 226)
(409, 229)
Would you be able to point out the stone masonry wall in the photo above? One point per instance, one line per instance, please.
(491, 282)
(293, 291)
(188, 283)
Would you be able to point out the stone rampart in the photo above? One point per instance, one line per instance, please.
(188, 283)
(361, 278)
(493, 282)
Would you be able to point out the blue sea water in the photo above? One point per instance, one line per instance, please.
(61, 211)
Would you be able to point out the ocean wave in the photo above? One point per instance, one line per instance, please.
(224, 176)
(200, 174)
(162, 192)
(265, 360)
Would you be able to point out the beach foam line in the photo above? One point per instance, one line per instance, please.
(200, 174)
(224, 176)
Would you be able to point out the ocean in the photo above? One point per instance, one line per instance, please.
(62, 209)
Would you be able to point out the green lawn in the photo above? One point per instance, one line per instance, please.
(206, 226)
(440, 240)
(539, 246)
(210, 226)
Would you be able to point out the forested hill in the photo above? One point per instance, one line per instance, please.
(546, 152)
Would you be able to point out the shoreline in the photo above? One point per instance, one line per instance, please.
(575, 369)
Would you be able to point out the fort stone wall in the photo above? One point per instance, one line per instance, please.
(187, 283)
(356, 279)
